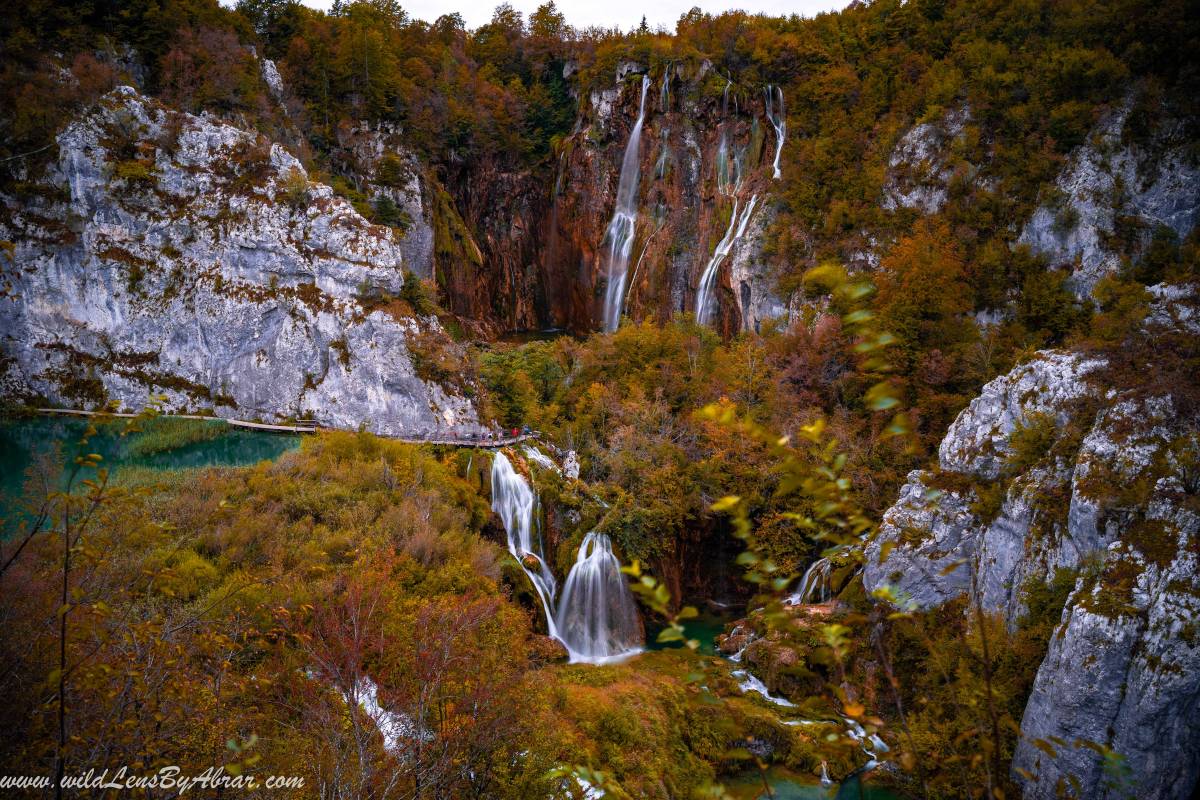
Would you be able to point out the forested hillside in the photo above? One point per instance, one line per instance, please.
(859, 349)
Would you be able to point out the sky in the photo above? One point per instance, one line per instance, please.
(623, 14)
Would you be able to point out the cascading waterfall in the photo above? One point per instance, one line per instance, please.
(814, 586)
(513, 500)
(708, 278)
(726, 184)
(778, 121)
(621, 228)
(597, 618)
(664, 97)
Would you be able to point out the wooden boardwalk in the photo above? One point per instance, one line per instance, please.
(305, 426)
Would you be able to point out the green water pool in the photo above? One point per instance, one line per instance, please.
(166, 444)
(788, 785)
(704, 628)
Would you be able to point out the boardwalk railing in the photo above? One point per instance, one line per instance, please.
(310, 426)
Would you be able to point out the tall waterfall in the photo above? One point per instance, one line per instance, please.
(708, 278)
(778, 120)
(620, 233)
(729, 164)
(513, 500)
(596, 618)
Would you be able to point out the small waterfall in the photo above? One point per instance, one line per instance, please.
(708, 278)
(825, 779)
(814, 586)
(664, 97)
(778, 120)
(541, 459)
(513, 500)
(620, 233)
(597, 618)
(872, 746)
(393, 726)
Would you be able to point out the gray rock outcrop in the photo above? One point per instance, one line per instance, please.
(165, 253)
(1108, 178)
(1050, 469)
(920, 166)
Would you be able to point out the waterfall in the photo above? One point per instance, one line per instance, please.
(708, 278)
(393, 726)
(597, 618)
(620, 233)
(778, 121)
(724, 181)
(814, 584)
(513, 500)
(664, 97)
(541, 459)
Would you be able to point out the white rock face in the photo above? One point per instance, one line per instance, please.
(1106, 178)
(272, 78)
(1112, 497)
(368, 148)
(171, 254)
(919, 171)
(751, 277)
(1123, 670)
(977, 441)
(571, 465)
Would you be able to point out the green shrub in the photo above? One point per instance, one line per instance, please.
(419, 294)
(294, 189)
(1030, 441)
(135, 172)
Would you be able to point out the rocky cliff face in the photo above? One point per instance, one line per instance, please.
(921, 165)
(169, 254)
(1113, 193)
(385, 167)
(706, 145)
(1049, 469)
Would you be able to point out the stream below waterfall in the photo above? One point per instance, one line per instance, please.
(786, 784)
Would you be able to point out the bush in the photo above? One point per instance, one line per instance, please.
(386, 212)
(420, 294)
(1030, 442)
(135, 172)
(294, 189)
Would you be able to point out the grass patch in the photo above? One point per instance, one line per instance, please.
(163, 434)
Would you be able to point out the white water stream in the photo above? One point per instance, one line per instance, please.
(621, 228)
(708, 278)
(778, 120)
(513, 500)
(596, 618)
(814, 586)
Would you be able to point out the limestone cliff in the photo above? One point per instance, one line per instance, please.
(1113, 193)
(170, 254)
(1060, 465)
